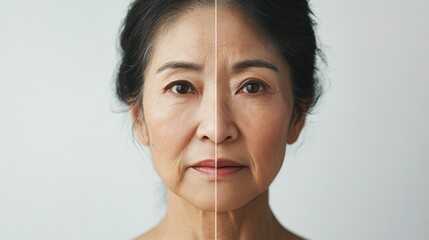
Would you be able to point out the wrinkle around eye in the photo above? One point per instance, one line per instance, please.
(263, 86)
(180, 87)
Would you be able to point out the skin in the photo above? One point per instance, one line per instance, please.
(254, 124)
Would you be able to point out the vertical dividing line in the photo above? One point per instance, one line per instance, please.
(215, 120)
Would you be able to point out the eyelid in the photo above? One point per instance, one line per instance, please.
(263, 84)
(172, 83)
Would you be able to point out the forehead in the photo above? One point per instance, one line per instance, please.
(195, 33)
(190, 36)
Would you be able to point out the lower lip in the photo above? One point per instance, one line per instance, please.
(221, 172)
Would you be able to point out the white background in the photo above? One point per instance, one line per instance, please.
(69, 168)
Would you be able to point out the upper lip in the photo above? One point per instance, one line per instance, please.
(220, 163)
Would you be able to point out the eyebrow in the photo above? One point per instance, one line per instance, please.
(179, 64)
(254, 63)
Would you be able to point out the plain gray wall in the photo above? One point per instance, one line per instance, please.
(69, 167)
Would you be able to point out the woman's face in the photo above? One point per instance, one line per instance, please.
(243, 84)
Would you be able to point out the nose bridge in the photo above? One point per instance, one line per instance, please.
(223, 98)
(207, 113)
(216, 119)
(223, 109)
(226, 126)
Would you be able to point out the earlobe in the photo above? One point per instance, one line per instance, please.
(139, 124)
(295, 129)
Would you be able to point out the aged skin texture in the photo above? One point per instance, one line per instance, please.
(254, 123)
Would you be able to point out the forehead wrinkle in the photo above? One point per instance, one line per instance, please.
(180, 42)
(234, 55)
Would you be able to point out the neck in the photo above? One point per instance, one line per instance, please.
(252, 221)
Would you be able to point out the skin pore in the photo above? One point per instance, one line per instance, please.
(253, 109)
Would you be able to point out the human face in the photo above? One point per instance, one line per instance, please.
(248, 94)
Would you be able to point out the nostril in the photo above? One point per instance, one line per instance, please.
(227, 138)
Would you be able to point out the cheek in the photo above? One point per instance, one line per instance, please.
(170, 129)
(267, 144)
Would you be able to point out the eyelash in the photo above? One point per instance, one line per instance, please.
(262, 85)
(172, 84)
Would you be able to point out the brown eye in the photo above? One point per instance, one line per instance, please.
(181, 87)
(253, 87)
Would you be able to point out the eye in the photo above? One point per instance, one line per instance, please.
(253, 87)
(180, 87)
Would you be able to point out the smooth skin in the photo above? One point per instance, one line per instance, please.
(254, 124)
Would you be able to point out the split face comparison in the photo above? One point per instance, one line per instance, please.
(228, 89)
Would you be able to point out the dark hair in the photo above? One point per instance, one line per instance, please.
(288, 23)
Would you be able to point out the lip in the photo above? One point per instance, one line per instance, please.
(221, 168)
(220, 163)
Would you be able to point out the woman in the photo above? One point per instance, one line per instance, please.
(217, 91)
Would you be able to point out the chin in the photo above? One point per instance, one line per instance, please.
(205, 201)
(225, 202)
(228, 201)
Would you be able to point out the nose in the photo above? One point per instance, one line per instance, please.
(217, 124)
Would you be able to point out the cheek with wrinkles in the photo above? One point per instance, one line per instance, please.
(170, 131)
(170, 123)
(170, 138)
(267, 144)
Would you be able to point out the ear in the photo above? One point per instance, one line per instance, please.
(140, 128)
(295, 129)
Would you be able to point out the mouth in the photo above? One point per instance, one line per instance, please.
(221, 168)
